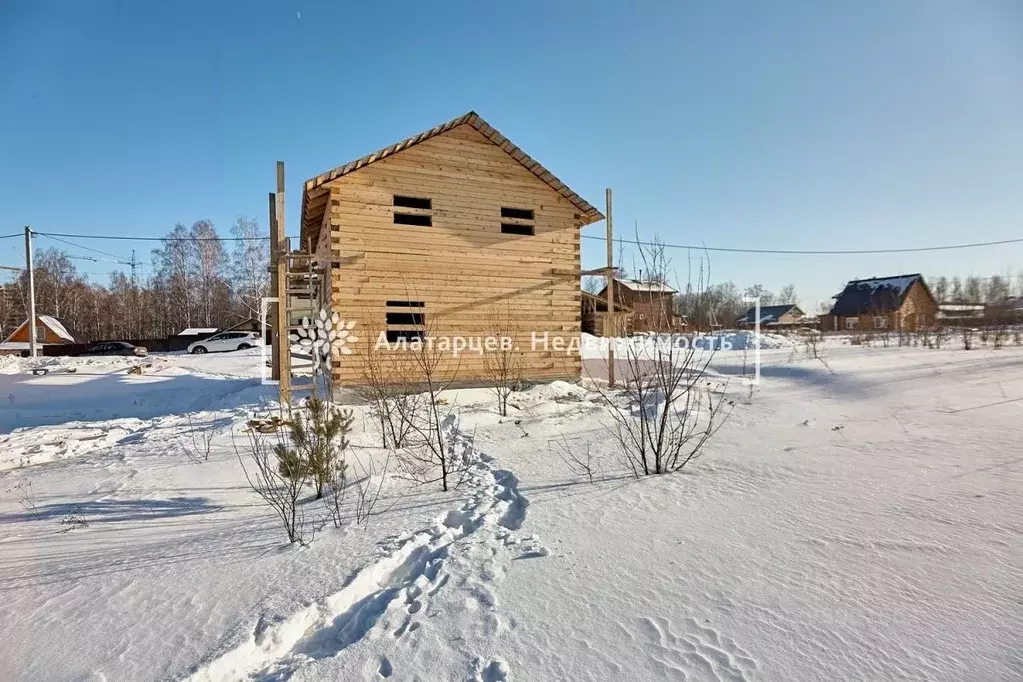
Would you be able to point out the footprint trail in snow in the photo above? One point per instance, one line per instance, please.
(460, 549)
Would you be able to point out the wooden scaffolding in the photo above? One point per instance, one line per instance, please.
(296, 284)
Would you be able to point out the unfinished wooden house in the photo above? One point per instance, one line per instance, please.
(453, 233)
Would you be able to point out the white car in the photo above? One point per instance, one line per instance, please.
(224, 342)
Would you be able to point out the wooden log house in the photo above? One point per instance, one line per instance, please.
(455, 232)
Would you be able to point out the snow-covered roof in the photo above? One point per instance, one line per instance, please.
(962, 307)
(645, 285)
(57, 327)
(197, 331)
(876, 294)
(769, 313)
(51, 323)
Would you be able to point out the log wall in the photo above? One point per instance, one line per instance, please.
(472, 279)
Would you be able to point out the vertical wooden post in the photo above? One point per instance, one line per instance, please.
(271, 312)
(281, 269)
(611, 322)
(32, 340)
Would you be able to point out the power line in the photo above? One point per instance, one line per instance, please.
(9, 236)
(635, 242)
(120, 260)
(796, 252)
(155, 239)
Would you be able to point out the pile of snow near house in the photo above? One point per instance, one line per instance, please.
(859, 520)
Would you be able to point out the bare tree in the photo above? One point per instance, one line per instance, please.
(787, 295)
(249, 265)
(593, 284)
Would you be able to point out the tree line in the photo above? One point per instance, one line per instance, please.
(196, 280)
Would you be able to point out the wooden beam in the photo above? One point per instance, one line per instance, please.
(281, 266)
(611, 320)
(271, 312)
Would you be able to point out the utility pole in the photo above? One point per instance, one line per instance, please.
(31, 293)
(611, 322)
(134, 263)
(271, 310)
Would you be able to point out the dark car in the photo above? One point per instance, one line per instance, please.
(115, 348)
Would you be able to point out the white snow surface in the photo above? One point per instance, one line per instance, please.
(861, 522)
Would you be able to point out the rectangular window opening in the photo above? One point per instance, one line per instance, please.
(405, 314)
(412, 219)
(511, 228)
(523, 213)
(406, 318)
(413, 202)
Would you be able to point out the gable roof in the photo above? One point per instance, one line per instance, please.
(645, 285)
(53, 324)
(877, 294)
(312, 216)
(768, 313)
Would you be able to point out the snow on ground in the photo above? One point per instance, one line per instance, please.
(855, 520)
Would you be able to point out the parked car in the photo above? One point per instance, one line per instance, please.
(115, 348)
(224, 342)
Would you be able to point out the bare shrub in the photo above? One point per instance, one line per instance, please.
(432, 451)
(392, 392)
(26, 497)
(925, 337)
(366, 493)
(967, 336)
(579, 463)
(200, 441)
(816, 347)
(666, 412)
(502, 362)
(73, 520)
(272, 479)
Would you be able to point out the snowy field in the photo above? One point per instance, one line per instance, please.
(862, 521)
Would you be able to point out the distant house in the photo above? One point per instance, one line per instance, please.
(652, 304)
(774, 316)
(902, 302)
(1006, 310)
(49, 331)
(953, 313)
(199, 331)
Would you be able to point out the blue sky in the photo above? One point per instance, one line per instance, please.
(793, 125)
